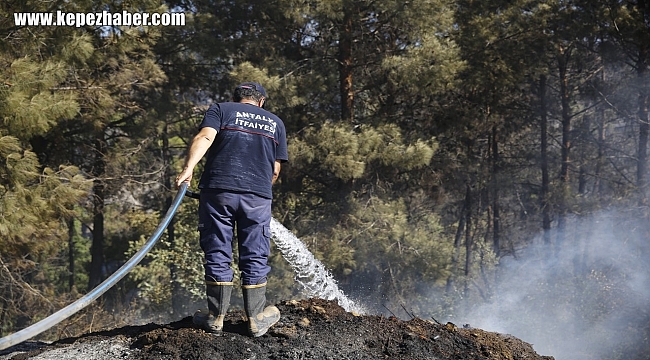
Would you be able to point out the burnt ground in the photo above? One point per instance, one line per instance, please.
(308, 329)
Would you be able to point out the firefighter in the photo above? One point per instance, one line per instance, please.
(245, 146)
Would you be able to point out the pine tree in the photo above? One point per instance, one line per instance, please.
(36, 200)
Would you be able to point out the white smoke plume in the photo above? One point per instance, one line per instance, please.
(589, 301)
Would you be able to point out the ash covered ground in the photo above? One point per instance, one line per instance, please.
(308, 329)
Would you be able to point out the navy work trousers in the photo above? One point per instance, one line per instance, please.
(220, 213)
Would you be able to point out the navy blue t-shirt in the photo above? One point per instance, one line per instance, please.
(242, 156)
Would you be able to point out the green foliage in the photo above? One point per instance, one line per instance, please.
(42, 198)
(33, 205)
(346, 151)
(152, 276)
(429, 60)
(396, 233)
(29, 106)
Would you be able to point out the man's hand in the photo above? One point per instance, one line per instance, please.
(184, 176)
(276, 171)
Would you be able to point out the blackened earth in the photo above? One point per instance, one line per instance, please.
(308, 329)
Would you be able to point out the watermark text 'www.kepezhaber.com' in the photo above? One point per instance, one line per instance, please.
(104, 18)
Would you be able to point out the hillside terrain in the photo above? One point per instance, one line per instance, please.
(308, 329)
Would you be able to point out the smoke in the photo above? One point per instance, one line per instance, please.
(587, 301)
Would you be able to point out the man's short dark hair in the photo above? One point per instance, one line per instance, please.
(249, 90)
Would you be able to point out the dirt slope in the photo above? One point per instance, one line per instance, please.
(309, 329)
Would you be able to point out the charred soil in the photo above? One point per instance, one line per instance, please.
(308, 329)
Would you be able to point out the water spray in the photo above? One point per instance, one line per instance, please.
(310, 272)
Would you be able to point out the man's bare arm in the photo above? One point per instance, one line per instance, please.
(199, 146)
(276, 171)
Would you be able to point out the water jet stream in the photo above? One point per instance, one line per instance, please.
(310, 272)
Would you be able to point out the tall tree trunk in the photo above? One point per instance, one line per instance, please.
(469, 245)
(3, 315)
(546, 206)
(585, 128)
(565, 97)
(97, 249)
(600, 155)
(644, 127)
(457, 241)
(71, 272)
(496, 220)
(345, 64)
(566, 117)
(177, 301)
(642, 65)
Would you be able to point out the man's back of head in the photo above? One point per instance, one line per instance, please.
(249, 91)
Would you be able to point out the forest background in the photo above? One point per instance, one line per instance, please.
(466, 161)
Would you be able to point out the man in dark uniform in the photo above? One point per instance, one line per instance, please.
(245, 146)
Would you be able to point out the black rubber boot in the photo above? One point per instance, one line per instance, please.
(218, 294)
(260, 318)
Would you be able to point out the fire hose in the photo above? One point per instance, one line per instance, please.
(84, 301)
